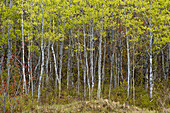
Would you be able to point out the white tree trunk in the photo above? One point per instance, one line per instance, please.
(150, 59)
(84, 72)
(32, 82)
(55, 65)
(128, 56)
(127, 41)
(163, 65)
(68, 68)
(42, 50)
(23, 52)
(146, 68)
(103, 68)
(134, 72)
(100, 58)
(29, 69)
(99, 66)
(78, 64)
(60, 58)
(91, 61)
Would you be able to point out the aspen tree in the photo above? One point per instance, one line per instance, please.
(42, 57)
(85, 67)
(99, 59)
(128, 56)
(61, 57)
(78, 62)
(150, 52)
(103, 67)
(91, 55)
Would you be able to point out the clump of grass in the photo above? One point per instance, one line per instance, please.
(89, 106)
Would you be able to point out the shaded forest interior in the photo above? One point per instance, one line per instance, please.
(60, 51)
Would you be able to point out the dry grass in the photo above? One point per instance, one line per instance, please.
(96, 106)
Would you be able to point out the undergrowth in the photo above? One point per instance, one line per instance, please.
(160, 103)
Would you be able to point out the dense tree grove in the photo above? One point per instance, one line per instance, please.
(90, 49)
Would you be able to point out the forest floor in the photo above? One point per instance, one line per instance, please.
(95, 106)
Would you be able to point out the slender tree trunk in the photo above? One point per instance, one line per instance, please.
(99, 60)
(61, 58)
(91, 61)
(127, 39)
(56, 72)
(163, 65)
(116, 70)
(29, 54)
(151, 74)
(99, 66)
(103, 68)
(88, 77)
(78, 67)
(155, 68)
(1, 65)
(23, 52)
(167, 62)
(133, 72)
(87, 69)
(146, 70)
(42, 50)
(29, 70)
(121, 73)
(111, 71)
(55, 62)
(2, 79)
(95, 64)
(150, 59)
(32, 82)
(128, 56)
(84, 72)
(68, 68)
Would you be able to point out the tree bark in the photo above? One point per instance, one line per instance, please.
(91, 61)
(103, 68)
(128, 56)
(150, 59)
(133, 66)
(78, 63)
(61, 58)
(84, 72)
(42, 57)
(23, 52)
